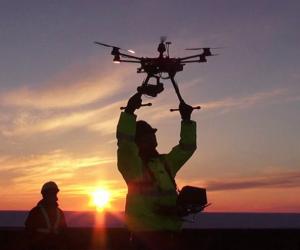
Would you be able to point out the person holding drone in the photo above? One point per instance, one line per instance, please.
(151, 212)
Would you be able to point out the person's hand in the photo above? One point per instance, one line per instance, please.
(134, 103)
(185, 111)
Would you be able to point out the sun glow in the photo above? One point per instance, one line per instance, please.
(101, 198)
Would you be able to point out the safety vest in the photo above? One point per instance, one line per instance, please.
(148, 185)
(49, 227)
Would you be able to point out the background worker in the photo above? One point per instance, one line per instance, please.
(151, 212)
(46, 224)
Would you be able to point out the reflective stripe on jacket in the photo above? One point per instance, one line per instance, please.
(51, 228)
(150, 188)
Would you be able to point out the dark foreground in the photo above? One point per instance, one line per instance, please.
(212, 239)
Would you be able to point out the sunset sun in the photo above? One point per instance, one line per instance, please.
(100, 198)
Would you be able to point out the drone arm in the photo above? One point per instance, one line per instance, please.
(176, 88)
(193, 61)
(129, 56)
(129, 61)
(190, 57)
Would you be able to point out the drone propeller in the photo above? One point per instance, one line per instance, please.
(204, 48)
(114, 47)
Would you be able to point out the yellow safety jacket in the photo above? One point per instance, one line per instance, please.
(151, 198)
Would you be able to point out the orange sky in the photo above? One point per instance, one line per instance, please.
(60, 99)
(70, 139)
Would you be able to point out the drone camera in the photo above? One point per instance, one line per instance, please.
(151, 89)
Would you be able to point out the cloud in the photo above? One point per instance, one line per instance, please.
(60, 107)
(289, 179)
(30, 171)
(70, 100)
(21, 177)
(29, 123)
(244, 102)
(161, 109)
(69, 89)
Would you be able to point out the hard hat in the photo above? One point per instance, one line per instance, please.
(143, 128)
(49, 186)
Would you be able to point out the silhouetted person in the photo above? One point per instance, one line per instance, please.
(151, 212)
(45, 224)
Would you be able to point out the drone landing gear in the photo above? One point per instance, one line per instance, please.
(142, 105)
(178, 93)
(197, 107)
(154, 89)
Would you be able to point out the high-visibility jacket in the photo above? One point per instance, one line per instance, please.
(46, 227)
(42, 219)
(151, 198)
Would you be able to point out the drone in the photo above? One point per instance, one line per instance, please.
(157, 67)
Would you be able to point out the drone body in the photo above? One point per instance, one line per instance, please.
(155, 67)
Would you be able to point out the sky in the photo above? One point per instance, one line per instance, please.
(60, 98)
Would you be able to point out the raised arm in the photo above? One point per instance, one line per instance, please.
(187, 144)
(129, 162)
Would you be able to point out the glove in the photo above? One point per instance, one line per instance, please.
(185, 111)
(134, 103)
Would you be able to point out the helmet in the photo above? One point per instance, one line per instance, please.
(143, 128)
(51, 185)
